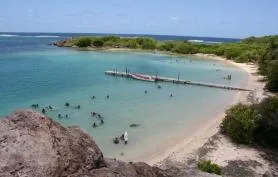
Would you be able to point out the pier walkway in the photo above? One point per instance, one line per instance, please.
(151, 78)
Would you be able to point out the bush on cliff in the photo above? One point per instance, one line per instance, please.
(207, 166)
(239, 123)
(266, 132)
(253, 123)
(272, 76)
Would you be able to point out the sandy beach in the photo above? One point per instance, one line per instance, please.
(223, 151)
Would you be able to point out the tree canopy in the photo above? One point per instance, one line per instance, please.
(83, 42)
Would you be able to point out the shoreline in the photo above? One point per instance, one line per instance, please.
(184, 149)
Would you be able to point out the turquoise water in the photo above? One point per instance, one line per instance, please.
(55, 76)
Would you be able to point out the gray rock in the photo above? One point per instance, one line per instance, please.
(34, 145)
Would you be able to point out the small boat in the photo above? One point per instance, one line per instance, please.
(143, 77)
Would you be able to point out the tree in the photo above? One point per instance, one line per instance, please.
(98, 43)
(110, 38)
(84, 42)
(148, 44)
(272, 76)
(168, 46)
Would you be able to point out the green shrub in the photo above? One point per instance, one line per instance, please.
(110, 38)
(266, 132)
(207, 166)
(253, 123)
(167, 46)
(148, 43)
(239, 123)
(84, 42)
(272, 75)
(98, 43)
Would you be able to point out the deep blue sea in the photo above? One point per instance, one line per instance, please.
(27, 41)
(33, 72)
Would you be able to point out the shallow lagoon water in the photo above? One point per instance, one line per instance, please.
(56, 76)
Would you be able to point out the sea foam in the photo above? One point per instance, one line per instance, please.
(8, 35)
(45, 36)
(197, 41)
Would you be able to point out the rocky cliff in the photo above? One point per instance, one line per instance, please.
(33, 145)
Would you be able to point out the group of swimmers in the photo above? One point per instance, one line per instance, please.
(51, 108)
(60, 116)
(93, 97)
(171, 95)
(99, 117)
(68, 105)
(44, 109)
(123, 137)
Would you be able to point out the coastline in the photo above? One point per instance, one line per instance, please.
(206, 142)
(183, 150)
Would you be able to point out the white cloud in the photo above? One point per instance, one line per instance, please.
(175, 18)
(29, 11)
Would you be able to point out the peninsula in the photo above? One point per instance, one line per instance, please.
(261, 50)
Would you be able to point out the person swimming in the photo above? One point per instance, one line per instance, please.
(116, 140)
(99, 116)
(125, 137)
(107, 96)
(59, 116)
(35, 106)
(171, 95)
(94, 125)
(101, 121)
(43, 111)
(93, 97)
(93, 114)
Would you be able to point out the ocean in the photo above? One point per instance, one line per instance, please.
(33, 72)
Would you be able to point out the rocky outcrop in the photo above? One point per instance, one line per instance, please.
(63, 43)
(32, 144)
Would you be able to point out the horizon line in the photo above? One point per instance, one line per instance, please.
(130, 34)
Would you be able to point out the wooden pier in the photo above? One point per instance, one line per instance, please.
(172, 80)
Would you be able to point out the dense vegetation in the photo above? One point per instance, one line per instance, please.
(256, 123)
(207, 166)
(263, 51)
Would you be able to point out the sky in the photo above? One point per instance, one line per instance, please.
(206, 18)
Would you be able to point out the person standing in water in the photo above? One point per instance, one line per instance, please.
(125, 137)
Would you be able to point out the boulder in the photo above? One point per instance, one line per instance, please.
(33, 145)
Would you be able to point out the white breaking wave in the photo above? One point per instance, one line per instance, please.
(207, 42)
(129, 37)
(45, 36)
(8, 35)
(214, 42)
(198, 41)
(38, 36)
